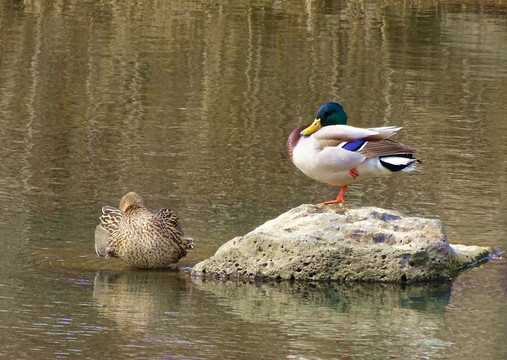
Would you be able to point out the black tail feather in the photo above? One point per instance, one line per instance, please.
(398, 167)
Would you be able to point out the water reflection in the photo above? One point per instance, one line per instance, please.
(163, 312)
(134, 299)
(313, 319)
(254, 300)
(300, 309)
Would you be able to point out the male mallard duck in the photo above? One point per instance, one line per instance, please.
(330, 151)
(141, 238)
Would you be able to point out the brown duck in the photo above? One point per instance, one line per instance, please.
(139, 237)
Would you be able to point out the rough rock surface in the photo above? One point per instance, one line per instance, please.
(333, 242)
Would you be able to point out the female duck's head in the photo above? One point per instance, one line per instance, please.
(131, 199)
(330, 113)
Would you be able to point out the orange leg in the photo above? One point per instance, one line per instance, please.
(339, 198)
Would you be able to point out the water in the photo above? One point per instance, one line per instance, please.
(189, 103)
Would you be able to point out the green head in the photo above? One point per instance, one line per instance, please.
(330, 113)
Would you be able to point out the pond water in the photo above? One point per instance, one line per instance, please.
(189, 103)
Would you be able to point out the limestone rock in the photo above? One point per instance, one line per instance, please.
(323, 242)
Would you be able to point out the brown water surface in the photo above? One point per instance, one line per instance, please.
(189, 103)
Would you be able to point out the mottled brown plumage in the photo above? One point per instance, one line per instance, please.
(141, 238)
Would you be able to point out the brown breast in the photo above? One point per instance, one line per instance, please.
(293, 139)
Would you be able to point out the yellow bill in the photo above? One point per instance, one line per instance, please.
(316, 125)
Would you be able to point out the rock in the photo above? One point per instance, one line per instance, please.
(342, 243)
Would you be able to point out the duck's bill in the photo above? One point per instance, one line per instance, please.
(316, 125)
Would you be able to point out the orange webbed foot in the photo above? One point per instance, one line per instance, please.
(339, 198)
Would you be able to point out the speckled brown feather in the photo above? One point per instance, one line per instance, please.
(142, 238)
(110, 218)
(172, 220)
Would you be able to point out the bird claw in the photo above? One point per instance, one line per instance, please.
(332, 202)
(353, 173)
(339, 198)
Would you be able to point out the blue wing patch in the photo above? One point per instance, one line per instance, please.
(354, 145)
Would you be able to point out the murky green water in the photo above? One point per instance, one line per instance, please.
(189, 103)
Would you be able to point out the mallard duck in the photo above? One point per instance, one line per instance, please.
(141, 238)
(331, 152)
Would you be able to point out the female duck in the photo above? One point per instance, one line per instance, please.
(331, 152)
(141, 238)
